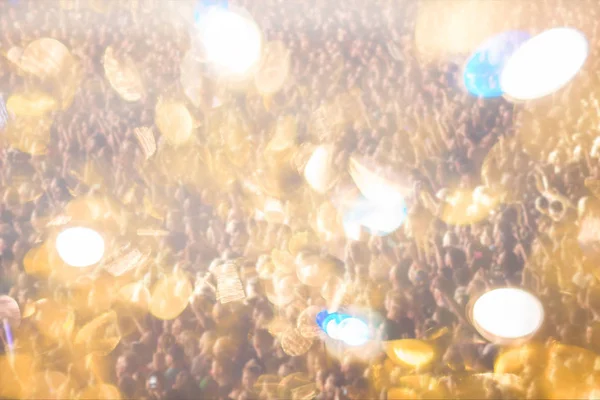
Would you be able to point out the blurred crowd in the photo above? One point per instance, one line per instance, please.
(414, 117)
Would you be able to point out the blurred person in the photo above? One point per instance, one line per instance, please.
(158, 365)
(175, 363)
(262, 343)
(397, 323)
(155, 387)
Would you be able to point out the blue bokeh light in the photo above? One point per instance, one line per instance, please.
(483, 69)
(203, 6)
(349, 329)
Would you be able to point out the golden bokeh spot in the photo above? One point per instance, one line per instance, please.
(91, 296)
(302, 241)
(307, 322)
(14, 55)
(29, 135)
(312, 269)
(295, 385)
(15, 375)
(285, 135)
(294, 344)
(36, 261)
(170, 296)
(99, 392)
(101, 335)
(50, 385)
(174, 121)
(267, 385)
(126, 261)
(45, 58)
(54, 320)
(514, 360)
(413, 353)
(464, 207)
(123, 76)
(283, 261)
(30, 104)
(278, 325)
(319, 170)
(402, 393)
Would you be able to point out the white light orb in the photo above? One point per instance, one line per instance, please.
(332, 329)
(80, 247)
(353, 332)
(507, 314)
(318, 171)
(377, 218)
(544, 64)
(352, 229)
(232, 42)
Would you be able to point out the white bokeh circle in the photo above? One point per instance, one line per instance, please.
(232, 42)
(544, 64)
(507, 314)
(80, 247)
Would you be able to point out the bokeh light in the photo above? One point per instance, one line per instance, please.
(170, 296)
(9, 311)
(80, 247)
(410, 352)
(544, 64)
(349, 329)
(203, 6)
(318, 171)
(483, 69)
(353, 331)
(507, 314)
(378, 219)
(263, 202)
(232, 41)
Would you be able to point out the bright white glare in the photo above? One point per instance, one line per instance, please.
(374, 187)
(352, 229)
(507, 313)
(380, 219)
(350, 330)
(80, 247)
(332, 329)
(353, 332)
(232, 42)
(544, 64)
(317, 171)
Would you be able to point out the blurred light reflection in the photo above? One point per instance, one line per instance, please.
(378, 219)
(507, 314)
(351, 330)
(80, 247)
(544, 64)
(232, 41)
(484, 67)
